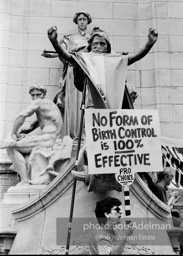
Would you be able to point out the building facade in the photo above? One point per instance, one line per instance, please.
(157, 77)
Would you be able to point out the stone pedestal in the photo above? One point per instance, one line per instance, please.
(6, 236)
(8, 177)
(21, 194)
(15, 197)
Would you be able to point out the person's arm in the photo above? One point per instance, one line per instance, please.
(152, 38)
(119, 247)
(63, 54)
(48, 54)
(173, 199)
(19, 121)
(101, 243)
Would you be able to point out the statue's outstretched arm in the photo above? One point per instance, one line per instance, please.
(152, 38)
(49, 54)
(63, 54)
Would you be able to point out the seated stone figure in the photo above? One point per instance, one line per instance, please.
(44, 147)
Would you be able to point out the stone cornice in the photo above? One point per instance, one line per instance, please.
(151, 202)
(50, 194)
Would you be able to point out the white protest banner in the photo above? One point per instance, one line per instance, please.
(123, 141)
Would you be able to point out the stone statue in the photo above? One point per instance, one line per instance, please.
(30, 151)
(68, 98)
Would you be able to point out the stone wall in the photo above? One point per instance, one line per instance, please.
(158, 77)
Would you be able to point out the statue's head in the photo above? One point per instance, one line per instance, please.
(99, 41)
(37, 92)
(82, 19)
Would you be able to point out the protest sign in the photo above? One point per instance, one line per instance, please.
(125, 177)
(123, 141)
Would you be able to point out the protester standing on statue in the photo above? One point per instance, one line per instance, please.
(68, 99)
(98, 44)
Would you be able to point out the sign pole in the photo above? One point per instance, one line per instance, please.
(126, 188)
(75, 167)
(70, 217)
(127, 202)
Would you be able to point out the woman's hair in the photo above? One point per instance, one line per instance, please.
(166, 171)
(99, 32)
(105, 206)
